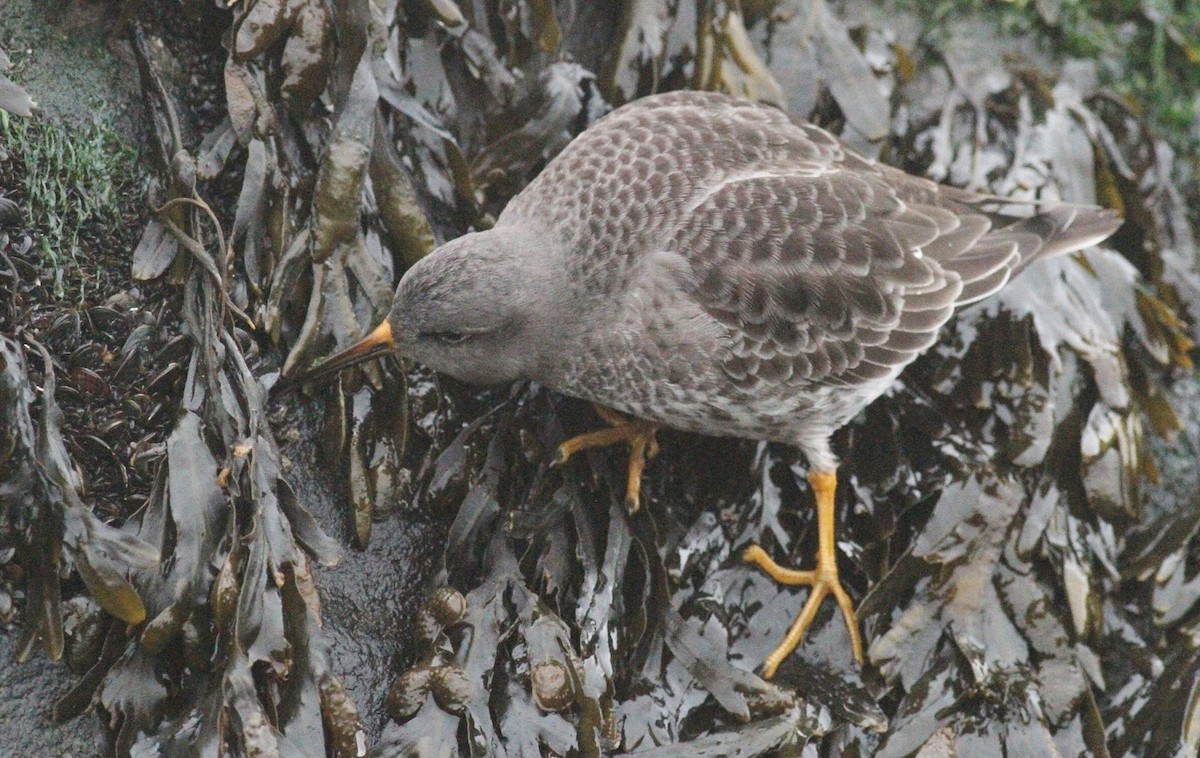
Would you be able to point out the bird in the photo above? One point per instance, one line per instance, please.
(707, 263)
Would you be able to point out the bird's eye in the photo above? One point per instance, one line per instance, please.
(448, 338)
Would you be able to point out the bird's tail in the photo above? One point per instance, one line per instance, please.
(1007, 248)
(1061, 228)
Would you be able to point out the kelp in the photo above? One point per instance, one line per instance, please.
(726, 60)
(794, 54)
(39, 493)
(45, 525)
(990, 511)
(514, 633)
(226, 612)
(1013, 516)
(967, 543)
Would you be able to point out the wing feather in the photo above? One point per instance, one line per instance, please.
(820, 295)
(821, 265)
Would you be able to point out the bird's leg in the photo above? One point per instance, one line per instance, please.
(824, 580)
(641, 437)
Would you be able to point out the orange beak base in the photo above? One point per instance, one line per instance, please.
(378, 342)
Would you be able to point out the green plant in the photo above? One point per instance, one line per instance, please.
(74, 182)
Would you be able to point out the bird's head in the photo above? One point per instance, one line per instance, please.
(482, 308)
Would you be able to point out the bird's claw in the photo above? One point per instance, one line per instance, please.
(633, 503)
(561, 456)
(641, 436)
(823, 581)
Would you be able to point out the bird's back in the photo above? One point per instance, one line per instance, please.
(622, 186)
(822, 272)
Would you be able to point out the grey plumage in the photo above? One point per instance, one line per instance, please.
(708, 263)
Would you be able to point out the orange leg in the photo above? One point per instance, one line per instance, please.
(641, 436)
(824, 580)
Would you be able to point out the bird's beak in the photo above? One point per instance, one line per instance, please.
(378, 342)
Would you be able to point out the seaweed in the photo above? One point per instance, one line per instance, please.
(231, 616)
(1017, 515)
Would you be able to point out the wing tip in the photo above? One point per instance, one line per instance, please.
(1066, 228)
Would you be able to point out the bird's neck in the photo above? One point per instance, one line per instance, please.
(558, 300)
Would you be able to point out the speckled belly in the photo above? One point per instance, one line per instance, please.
(706, 402)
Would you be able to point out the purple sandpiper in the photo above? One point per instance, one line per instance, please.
(706, 263)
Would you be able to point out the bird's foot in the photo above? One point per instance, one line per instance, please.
(824, 581)
(641, 436)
